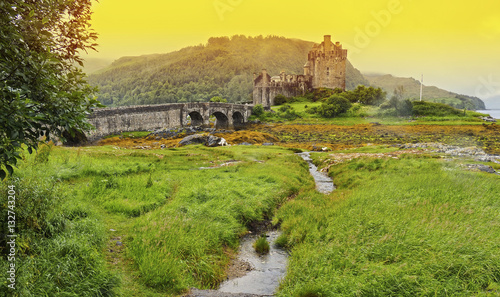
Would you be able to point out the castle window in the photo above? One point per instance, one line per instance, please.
(327, 70)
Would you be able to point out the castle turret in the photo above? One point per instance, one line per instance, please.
(328, 43)
(264, 76)
(327, 64)
(307, 68)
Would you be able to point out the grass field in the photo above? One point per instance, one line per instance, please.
(178, 225)
(416, 226)
(365, 114)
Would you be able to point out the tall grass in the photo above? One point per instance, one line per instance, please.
(178, 224)
(58, 244)
(410, 227)
(183, 243)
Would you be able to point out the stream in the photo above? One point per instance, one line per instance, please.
(324, 184)
(267, 270)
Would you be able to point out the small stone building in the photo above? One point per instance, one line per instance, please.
(325, 68)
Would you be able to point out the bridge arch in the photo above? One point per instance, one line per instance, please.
(221, 120)
(196, 118)
(238, 119)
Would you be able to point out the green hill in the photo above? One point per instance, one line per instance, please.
(430, 93)
(223, 67)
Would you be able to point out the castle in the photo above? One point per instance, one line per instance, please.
(325, 68)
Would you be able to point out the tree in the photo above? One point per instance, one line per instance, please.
(42, 90)
(218, 99)
(366, 95)
(333, 106)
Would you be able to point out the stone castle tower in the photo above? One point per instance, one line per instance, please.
(326, 64)
(325, 68)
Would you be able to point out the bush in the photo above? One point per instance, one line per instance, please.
(258, 110)
(280, 99)
(424, 108)
(334, 106)
(322, 93)
(288, 112)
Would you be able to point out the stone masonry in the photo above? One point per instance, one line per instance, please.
(108, 121)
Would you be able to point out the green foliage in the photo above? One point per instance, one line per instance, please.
(43, 153)
(261, 245)
(322, 93)
(218, 99)
(334, 106)
(366, 95)
(42, 92)
(288, 112)
(424, 108)
(258, 110)
(280, 99)
(59, 244)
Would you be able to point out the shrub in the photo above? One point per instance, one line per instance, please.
(333, 106)
(288, 112)
(258, 110)
(280, 99)
(424, 108)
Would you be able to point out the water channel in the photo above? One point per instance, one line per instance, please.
(267, 270)
(324, 184)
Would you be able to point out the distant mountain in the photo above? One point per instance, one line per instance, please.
(223, 67)
(430, 93)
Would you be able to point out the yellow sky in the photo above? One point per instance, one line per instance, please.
(454, 43)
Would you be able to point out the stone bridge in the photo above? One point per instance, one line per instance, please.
(115, 120)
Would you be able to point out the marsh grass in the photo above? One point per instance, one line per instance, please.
(58, 244)
(178, 224)
(409, 227)
(261, 245)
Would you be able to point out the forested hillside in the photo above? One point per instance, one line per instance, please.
(223, 67)
(430, 93)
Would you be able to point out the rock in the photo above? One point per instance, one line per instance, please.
(268, 143)
(207, 140)
(193, 139)
(215, 141)
(481, 167)
(488, 119)
(119, 243)
(245, 143)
